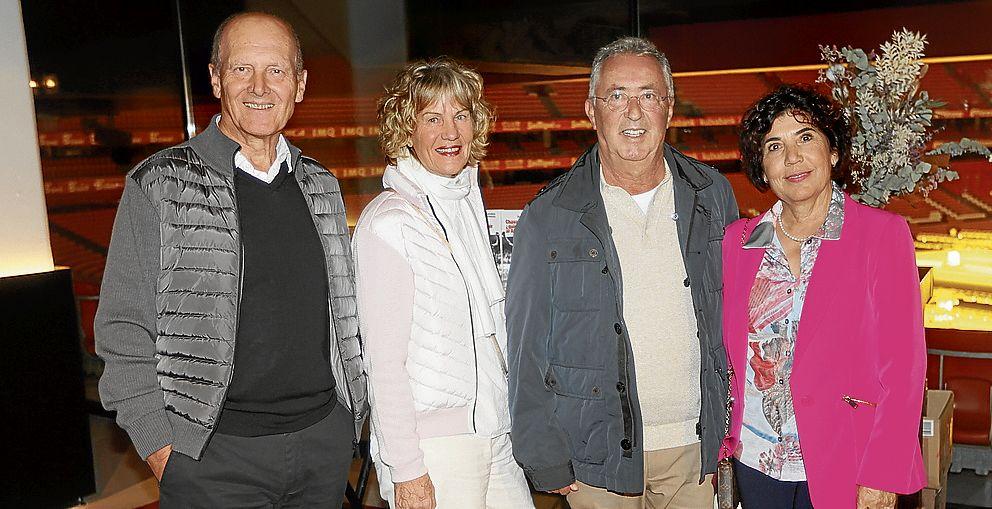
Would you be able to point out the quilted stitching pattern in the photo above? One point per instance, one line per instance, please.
(197, 290)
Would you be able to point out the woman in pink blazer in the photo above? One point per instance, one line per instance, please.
(823, 324)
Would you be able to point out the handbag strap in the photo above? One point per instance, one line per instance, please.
(744, 231)
(730, 400)
(730, 369)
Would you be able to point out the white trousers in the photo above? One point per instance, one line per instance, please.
(469, 472)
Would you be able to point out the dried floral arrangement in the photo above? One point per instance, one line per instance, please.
(891, 118)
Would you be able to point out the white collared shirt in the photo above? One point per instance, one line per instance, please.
(242, 163)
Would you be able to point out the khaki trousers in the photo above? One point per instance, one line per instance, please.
(671, 480)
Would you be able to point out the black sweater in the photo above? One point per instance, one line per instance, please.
(282, 378)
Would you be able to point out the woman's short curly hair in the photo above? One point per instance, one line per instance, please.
(418, 86)
(808, 106)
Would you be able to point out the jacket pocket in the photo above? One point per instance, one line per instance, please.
(857, 402)
(577, 272)
(714, 257)
(861, 412)
(581, 410)
(575, 381)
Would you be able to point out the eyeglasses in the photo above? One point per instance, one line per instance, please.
(619, 100)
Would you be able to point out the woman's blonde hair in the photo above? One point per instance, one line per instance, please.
(418, 86)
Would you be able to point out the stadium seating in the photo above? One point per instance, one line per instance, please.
(512, 197)
(92, 225)
(96, 166)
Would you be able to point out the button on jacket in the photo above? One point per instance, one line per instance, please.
(573, 399)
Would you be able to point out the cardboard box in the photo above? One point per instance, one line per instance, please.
(931, 498)
(927, 498)
(938, 423)
(934, 499)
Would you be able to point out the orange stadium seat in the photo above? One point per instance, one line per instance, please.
(949, 366)
(750, 201)
(98, 166)
(512, 197)
(730, 96)
(93, 225)
(958, 207)
(570, 97)
(515, 102)
(87, 264)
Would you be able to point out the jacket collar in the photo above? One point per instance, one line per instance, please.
(831, 265)
(762, 236)
(218, 150)
(686, 171)
(581, 189)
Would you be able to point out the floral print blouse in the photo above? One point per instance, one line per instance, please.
(769, 437)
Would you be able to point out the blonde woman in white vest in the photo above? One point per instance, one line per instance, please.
(431, 302)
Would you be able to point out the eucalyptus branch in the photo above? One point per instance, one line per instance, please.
(891, 118)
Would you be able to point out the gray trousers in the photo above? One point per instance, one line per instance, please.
(307, 468)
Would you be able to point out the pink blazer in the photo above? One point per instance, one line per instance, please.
(861, 336)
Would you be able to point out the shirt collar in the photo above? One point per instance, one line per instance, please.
(829, 231)
(242, 163)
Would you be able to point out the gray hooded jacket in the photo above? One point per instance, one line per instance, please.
(573, 400)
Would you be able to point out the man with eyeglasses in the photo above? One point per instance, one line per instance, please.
(618, 376)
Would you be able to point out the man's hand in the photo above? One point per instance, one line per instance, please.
(870, 498)
(157, 461)
(415, 494)
(566, 490)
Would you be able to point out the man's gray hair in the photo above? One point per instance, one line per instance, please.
(219, 36)
(636, 46)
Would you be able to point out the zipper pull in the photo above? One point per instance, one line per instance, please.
(854, 402)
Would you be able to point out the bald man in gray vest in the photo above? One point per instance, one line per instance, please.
(227, 314)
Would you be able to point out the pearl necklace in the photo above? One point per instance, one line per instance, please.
(789, 235)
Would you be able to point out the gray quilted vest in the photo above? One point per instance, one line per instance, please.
(197, 292)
